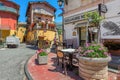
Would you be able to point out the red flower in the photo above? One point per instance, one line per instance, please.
(39, 51)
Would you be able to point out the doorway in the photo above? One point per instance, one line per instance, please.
(82, 35)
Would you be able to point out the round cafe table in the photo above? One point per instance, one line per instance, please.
(69, 52)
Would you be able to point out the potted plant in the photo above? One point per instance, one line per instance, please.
(42, 56)
(94, 20)
(40, 24)
(93, 62)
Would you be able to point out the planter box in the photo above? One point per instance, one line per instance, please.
(93, 68)
(42, 59)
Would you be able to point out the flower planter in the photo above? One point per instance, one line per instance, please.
(42, 59)
(93, 68)
(114, 52)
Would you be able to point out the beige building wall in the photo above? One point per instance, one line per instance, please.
(76, 8)
(72, 4)
(85, 4)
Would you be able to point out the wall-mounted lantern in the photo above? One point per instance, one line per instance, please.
(102, 8)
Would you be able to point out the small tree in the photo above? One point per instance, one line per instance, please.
(94, 19)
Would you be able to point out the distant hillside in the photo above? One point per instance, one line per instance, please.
(59, 25)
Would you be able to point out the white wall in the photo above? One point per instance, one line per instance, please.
(69, 28)
(113, 8)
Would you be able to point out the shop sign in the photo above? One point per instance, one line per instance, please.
(74, 18)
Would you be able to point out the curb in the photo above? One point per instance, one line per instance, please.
(29, 77)
(113, 70)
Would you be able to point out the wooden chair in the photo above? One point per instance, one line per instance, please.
(60, 55)
(75, 58)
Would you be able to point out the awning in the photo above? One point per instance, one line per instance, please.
(80, 25)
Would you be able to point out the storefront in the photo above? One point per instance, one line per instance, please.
(84, 31)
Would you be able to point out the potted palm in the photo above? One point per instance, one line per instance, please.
(93, 62)
(42, 56)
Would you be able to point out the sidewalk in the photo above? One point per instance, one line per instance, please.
(51, 71)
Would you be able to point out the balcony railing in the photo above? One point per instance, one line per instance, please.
(5, 27)
(44, 28)
(42, 12)
(5, 8)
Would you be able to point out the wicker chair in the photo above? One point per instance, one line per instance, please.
(60, 55)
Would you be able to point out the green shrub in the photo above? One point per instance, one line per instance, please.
(93, 51)
(42, 54)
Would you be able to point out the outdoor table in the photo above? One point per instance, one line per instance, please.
(70, 52)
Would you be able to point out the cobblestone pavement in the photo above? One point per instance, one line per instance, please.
(12, 62)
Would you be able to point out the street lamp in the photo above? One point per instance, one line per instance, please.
(60, 3)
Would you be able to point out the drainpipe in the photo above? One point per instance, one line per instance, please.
(63, 26)
(87, 31)
(0, 27)
(32, 17)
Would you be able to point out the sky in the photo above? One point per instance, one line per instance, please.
(24, 3)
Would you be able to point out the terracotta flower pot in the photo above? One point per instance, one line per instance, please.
(93, 68)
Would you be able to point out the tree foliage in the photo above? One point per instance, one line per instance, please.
(59, 31)
(93, 17)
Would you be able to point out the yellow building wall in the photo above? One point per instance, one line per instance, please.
(12, 32)
(49, 35)
(5, 33)
(21, 33)
(30, 36)
(60, 38)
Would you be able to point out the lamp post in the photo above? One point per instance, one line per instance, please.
(60, 3)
